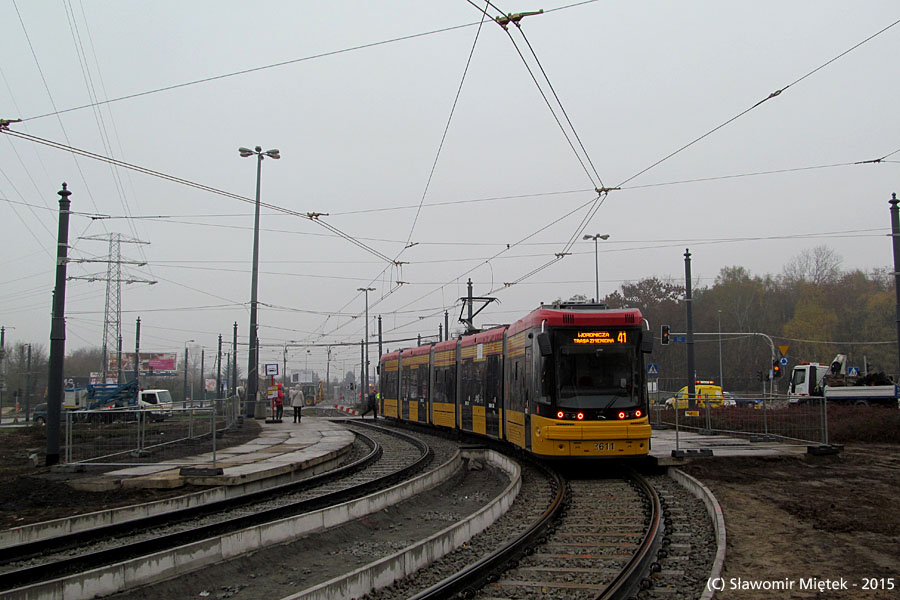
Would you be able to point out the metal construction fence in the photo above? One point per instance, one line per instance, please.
(130, 437)
(758, 419)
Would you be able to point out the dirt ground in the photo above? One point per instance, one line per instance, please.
(822, 521)
(31, 492)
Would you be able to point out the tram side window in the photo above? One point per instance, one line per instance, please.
(422, 382)
(546, 374)
(493, 383)
(515, 385)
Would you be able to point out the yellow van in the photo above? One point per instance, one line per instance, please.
(705, 391)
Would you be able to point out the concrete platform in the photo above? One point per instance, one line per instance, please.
(689, 446)
(281, 449)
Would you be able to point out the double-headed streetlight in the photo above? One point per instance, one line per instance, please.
(595, 237)
(366, 290)
(253, 359)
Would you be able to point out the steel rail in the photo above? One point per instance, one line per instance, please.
(464, 583)
(77, 564)
(629, 579)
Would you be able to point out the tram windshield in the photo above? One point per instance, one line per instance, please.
(591, 375)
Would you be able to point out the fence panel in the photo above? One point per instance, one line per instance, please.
(759, 419)
(136, 437)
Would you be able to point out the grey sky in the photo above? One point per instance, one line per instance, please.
(359, 132)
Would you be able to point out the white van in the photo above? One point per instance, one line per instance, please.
(158, 402)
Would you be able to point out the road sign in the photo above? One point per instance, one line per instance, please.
(783, 361)
(853, 371)
(271, 369)
(783, 349)
(652, 369)
(679, 339)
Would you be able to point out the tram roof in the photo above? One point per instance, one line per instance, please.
(573, 315)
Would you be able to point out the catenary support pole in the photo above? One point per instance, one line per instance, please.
(58, 332)
(689, 309)
(895, 237)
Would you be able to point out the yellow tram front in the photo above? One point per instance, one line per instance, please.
(591, 394)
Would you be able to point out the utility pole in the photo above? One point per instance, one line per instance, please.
(688, 304)
(137, 354)
(186, 359)
(219, 370)
(58, 332)
(234, 359)
(328, 371)
(2, 368)
(28, 386)
(362, 368)
(203, 374)
(446, 325)
(895, 236)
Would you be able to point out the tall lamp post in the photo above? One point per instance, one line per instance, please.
(595, 237)
(366, 290)
(253, 359)
(184, 403)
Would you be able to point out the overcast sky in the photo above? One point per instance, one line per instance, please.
(364, 100)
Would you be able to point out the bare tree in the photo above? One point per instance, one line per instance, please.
(818, 266)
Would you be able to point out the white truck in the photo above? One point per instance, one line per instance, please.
(834, 384)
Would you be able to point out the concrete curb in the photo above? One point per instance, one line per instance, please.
(403, 563)
(718, 518)
(190, 557)
(47, 529)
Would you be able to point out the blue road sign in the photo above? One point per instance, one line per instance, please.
(783, 361)
(679, 338)
(853, 371)
(652, 369)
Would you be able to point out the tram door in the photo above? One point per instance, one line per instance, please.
(493, 394)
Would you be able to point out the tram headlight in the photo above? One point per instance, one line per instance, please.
(637, 414)
(560, 415)
(621, 414)
(580, 416)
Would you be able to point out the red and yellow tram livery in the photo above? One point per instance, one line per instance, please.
(566, 380)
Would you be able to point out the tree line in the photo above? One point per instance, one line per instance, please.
(813, 307)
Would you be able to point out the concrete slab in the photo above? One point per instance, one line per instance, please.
(690, 446)
(281, 449)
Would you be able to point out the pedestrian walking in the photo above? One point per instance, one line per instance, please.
(279, 403)
(297, 401)
(371, 405)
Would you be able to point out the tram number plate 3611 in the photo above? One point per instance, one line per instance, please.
(605, 446)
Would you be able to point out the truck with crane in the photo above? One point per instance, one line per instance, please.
(835, 384)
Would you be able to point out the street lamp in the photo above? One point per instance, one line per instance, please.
(253, 360)
(595, 237)
(366, 290)
(184, 402)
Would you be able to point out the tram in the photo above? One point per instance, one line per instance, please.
(565, 381)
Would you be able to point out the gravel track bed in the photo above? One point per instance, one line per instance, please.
(599, 532)
(398, 453)
(691, 546)
(534, 497)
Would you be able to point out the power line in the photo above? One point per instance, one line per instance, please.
(774, 94)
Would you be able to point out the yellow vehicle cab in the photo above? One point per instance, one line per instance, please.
(705, 391)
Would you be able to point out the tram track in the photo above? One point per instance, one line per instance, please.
(596, 540)
(376, 470)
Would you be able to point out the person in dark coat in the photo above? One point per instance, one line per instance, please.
(371, 404)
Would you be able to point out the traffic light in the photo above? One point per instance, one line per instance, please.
(776, 369)
(759, 376)
(664, 335)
